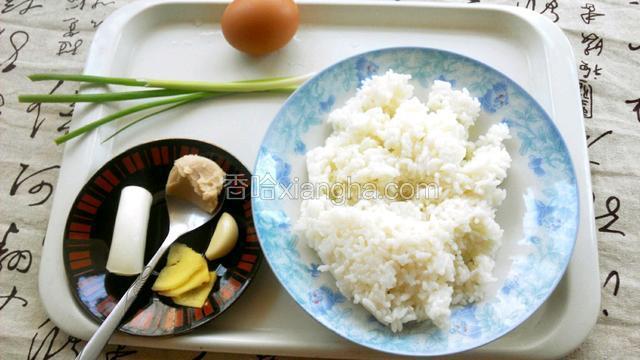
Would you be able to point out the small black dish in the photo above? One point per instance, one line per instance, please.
(89, 229)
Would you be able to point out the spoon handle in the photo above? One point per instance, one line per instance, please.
(100, 338)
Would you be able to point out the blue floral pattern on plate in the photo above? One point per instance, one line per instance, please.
(549, 202)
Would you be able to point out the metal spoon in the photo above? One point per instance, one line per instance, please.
(183, 217)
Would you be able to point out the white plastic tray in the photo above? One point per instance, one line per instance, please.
(181, 39)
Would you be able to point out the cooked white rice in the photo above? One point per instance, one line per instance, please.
(408, 255)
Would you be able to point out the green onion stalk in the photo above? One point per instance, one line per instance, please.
(172, 94)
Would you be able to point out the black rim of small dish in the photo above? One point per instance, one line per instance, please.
(90, 223)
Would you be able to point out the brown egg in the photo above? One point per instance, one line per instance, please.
(258, 27)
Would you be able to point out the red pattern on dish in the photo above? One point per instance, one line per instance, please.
(75, 265)
(155, 156)
(80, 227)
(165, 154)
(207, 308)
(77, 255)
(249, 258)
(235, 284)
(226, 293)
(180, 317)
(103, 184)
(78, 236)
(244, 266)
(106, 305)
(86, 208)
(91, 200)
(138, 161)
(252, 238)
(129, 164)
(111, 177)
(197, 314)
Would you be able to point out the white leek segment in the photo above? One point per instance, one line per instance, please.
(126, 256)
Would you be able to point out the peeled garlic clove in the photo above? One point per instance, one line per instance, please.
(224, 237)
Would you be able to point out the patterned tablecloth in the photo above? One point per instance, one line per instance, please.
(40, 36)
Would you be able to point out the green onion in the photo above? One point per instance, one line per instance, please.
(238, 86)
(234, 86)
(177, 100)
(178, 93)
(183, 102)
(88, 79)
(92, 125)
(100, 97)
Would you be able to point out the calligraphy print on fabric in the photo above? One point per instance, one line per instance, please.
(40, 35)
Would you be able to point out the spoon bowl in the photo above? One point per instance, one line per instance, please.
(184, 214)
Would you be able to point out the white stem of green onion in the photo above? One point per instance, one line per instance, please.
(238, 86)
